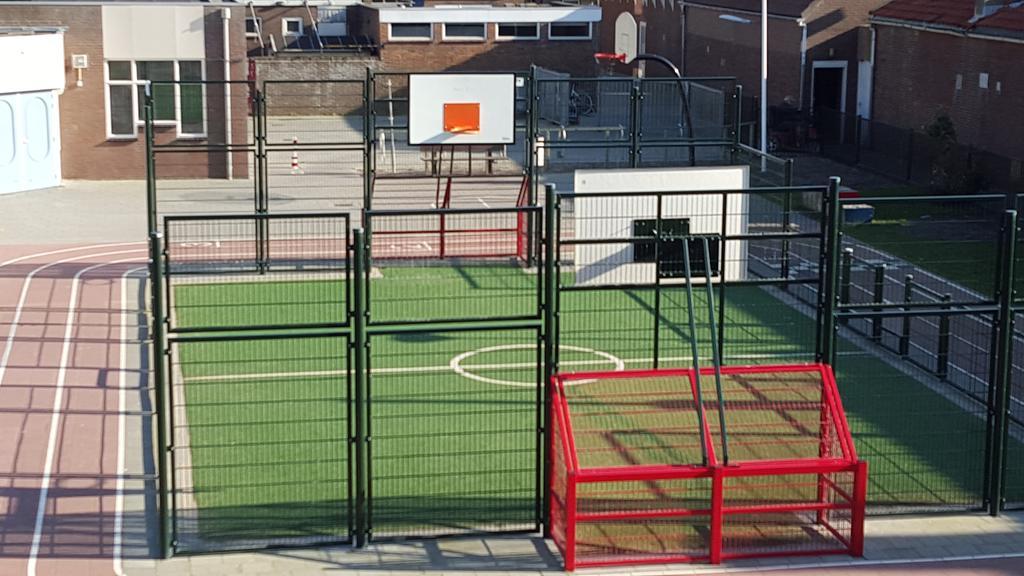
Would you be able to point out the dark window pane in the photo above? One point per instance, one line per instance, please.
(410, 31)
(158, 71)
(474, 31)
(122, 117)
(190, 70)
(251, 25)
(163, 101)
(517, 30)
(191, 108)
(579, 30)
(120, 70)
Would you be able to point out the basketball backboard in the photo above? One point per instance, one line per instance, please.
(460, 109)
(627, 39)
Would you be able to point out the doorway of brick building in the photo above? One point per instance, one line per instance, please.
(828, 98)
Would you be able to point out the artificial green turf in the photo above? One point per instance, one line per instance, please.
(269, 454)
(954, 239)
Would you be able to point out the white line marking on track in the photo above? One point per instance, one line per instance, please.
(63, 250)
(24, 295)
(481, 200)
(122, 378)
(58, 399)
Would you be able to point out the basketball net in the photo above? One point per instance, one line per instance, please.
(606, 62)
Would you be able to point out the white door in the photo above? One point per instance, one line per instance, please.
(29, 141)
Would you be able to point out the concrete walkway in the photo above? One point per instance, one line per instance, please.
(954, 544)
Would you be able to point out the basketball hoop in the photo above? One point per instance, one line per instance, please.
(606, 62)
(608, 56)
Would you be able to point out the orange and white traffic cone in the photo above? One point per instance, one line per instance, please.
(296, 169)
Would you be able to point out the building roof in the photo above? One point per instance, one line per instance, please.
(787, 8)
(956, 15)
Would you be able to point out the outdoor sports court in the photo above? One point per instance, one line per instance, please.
(319, 393)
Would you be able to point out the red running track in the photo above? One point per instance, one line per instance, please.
(65, 335)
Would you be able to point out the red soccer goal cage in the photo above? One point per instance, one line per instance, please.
(639, 471)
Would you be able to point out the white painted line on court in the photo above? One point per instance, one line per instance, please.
(121, 407)
(448, 367)
(24, 295)
(481, 200)
(456, 362)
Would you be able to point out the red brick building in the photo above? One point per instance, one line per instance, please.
(959, 57)
(480, 37)
(819, 52)
(110, 51)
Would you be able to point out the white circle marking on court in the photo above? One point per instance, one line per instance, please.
(456, 362)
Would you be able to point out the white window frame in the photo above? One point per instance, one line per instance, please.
(589, 36)
(391, 35)
(131, 83)
(446, 38)
(842, 64)
(259, 26)
(284, 27)
(134, 83)
(499, 37)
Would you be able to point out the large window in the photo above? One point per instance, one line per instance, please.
(411, 32)
(176, 100)
(520, 31)
(569, 31)
(465, 32)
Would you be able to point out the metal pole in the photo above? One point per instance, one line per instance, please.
(225, 18)
(634, 122)
(829, 300)
(716, 359)
(658, 239)
(942, 358)
(151, 208)
(845, 280)
(359, 345)
(550, 330)
(159, 354)
(879, 297)
(764, 84)
(694, 349)
(908, 297)
(1004, 351)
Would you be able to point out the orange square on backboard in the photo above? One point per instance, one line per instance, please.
(462, 118)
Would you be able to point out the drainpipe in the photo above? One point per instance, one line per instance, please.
(225, 18)
(803, 58)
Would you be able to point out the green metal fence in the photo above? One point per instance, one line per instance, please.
(388, 381)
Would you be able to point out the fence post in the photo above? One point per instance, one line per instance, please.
(910, 154)
(878, 298)
(369, 147)
(844, 279)
(551, 271)
(359, 345)
(942, 358)
(738, 111)
(1003, 352)
(635, 95)
(151, 208)
(908, 296)
(159, 353)
(828, 300)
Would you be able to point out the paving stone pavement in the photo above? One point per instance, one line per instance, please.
(963, 544)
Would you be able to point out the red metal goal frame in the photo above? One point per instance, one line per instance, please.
(567, 476)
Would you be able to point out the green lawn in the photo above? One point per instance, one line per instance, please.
(266, 420)
(956, 239)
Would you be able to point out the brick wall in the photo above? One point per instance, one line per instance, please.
(573, 56)
(915, 79)
(663, 36)
(716, 47)
(85, 151)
